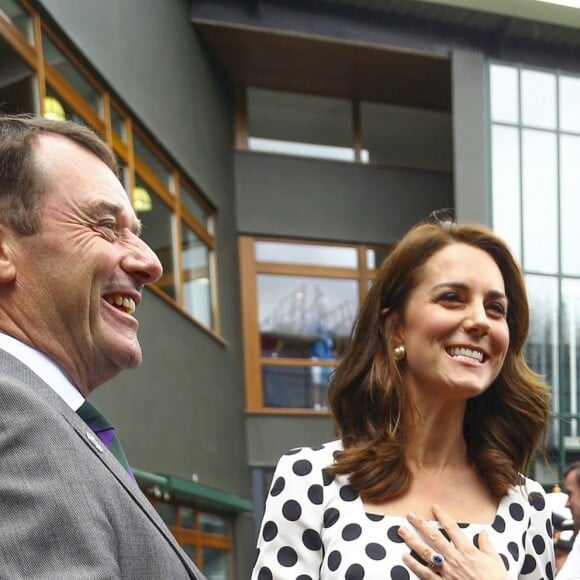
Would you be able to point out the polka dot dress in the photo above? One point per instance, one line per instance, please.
(315, 527)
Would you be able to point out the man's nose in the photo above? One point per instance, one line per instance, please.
(141, 261)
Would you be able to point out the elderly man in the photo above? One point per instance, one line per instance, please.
(72, 270)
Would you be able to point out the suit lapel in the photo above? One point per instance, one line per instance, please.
(48, 397)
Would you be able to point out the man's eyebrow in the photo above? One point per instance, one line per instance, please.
(105, 207)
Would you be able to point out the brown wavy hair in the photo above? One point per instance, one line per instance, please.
(502, 426)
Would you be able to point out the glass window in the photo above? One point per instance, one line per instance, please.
(540, 201)
(542, 344)
(375, 257)
(118, 125)
(307, 254)
(570, 203)
(570, 104)
(405, 136)
(505, 164)
(191, 203)
(571, 348)
(504, 94)
(152, 160)
(539, 99)
(215, 563)
(186, 517)
(196, 276)
(16, 15)
(294, 312)
(56, 108)
(55, 57)
(17, 82)
(158, 233)
(282, 122)
(212, 523)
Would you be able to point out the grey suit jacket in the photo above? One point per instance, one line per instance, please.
(67, 510)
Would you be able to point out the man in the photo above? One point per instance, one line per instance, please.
(570, 570)
(72, 270)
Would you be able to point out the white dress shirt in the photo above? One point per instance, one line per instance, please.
(45, 368)
(571, 568)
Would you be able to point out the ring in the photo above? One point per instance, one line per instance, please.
(436, 561)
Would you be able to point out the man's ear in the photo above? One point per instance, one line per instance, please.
(7, 255)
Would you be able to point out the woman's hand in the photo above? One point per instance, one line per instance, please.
(461, 559)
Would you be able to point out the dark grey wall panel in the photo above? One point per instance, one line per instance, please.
(288, 196)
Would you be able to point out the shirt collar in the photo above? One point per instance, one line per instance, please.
(45, 368)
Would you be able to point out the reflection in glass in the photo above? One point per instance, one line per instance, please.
(71, 74)
(186, 515)
(504, 93)
(542, 345)
(540, 198)
(158, 233)
(539, 99)
(296, 312)
(505, 168)
(570, 203)
(570, 345)
(376, 256)
(215, 563)
(152, 161)
(17, 16)
(118, 125)
(189, 201)
(213, 524)
(308, 254)
(295, 387)
(196, 276)
(570, 104)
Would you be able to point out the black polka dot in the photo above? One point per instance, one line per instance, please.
(347, 493)
(265, 574)
(375, 517)
(316, 494)
(331, 516)
(293, 451)
(476, 541)
(270, 531)
(291, 510)
(334, 560)
(287, 556)
(351, 532)
(529, 564)
(400, 573)
(393, 534)
(514, 550)
(375, 551)
(304, 577)
(498, 524)
(327, 478)
(278, 487)
(549, 571)
(537, 500)
(354, 572)
(516, 512)
(317, 448)
(505, 561)
(549, 527)
(539, 544)
(311, 539)
(302, 467)
(463, 525)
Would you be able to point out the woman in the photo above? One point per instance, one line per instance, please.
(438, 415)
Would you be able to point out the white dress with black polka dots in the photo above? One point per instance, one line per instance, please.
(315, 527)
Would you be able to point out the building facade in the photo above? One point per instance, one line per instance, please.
(274, 151)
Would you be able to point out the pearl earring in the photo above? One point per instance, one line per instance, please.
(399, 352)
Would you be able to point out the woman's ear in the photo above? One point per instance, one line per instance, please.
(7, 261)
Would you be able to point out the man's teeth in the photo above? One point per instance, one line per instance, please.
(124, 302)
(466, 353)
